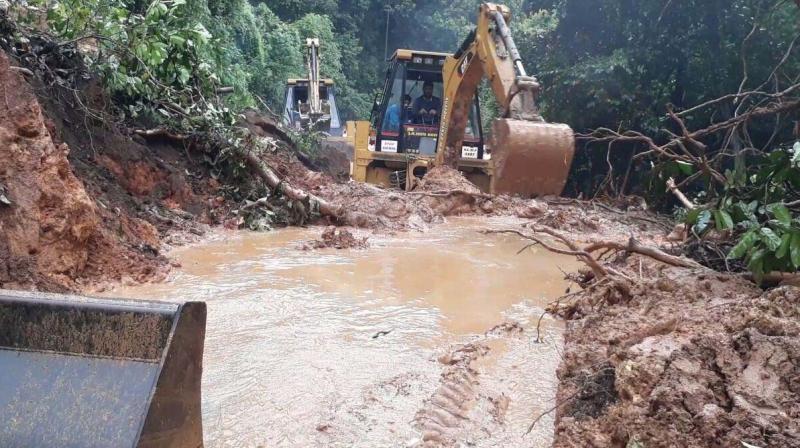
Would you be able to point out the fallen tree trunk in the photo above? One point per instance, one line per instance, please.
(262, 170)
(268, 175)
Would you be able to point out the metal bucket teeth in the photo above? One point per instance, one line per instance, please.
(530, 158)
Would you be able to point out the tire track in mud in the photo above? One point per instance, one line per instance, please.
(442, 416)
(461, 407)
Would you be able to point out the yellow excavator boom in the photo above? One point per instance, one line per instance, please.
(530, 157)
(312, 66)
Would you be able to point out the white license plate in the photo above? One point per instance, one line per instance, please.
(469, 152)
(388, 145)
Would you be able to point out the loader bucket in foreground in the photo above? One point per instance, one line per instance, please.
(530, 158)
(86, 372)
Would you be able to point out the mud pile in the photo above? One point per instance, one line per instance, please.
(337, 239)
(334, 157)
(329, 162)
(91, 202)
(52, 233)
(444, 178)
(371, 207)
(681, 358)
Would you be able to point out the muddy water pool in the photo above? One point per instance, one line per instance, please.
(351, 347)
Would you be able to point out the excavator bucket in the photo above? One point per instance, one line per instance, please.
(530, 158)
(87, 372)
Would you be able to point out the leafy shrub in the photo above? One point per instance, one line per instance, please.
(753, 208)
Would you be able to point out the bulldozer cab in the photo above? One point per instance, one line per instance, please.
(397, 126)
(298, 115)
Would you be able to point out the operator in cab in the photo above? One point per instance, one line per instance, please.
(392, 122)
(427, 107)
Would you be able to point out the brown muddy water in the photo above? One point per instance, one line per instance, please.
(377, 347)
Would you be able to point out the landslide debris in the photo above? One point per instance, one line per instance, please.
(680, 358)
(671, 357)
(338, 239)
(53, 235)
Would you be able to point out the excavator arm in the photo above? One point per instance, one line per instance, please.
(312, 65)
(530, 157)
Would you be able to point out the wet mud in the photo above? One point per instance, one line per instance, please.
(680, 358)
(423, 339)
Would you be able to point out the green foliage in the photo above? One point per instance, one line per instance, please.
(307, 143)
(617, 62)
(158, 63)
(753, 208)
(164, 63)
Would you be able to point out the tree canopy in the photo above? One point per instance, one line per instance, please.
(704, 91)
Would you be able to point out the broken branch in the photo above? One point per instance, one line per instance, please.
(635, 247)
(585, 254)
(679, 194)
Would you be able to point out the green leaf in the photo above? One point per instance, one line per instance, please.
(743, 212)
(703, 219)
(723, 220)
(691, 216)
(756, 263)
(745, 244)
(786, 239)
(183, 75)
(686, 168)
(177, 40)
(202, 33)
(794, 249)
(780, 212)
(769, 238)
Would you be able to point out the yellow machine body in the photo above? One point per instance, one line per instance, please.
(524, 155)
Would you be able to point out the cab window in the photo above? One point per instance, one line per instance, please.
(425, 109)
(392, 115)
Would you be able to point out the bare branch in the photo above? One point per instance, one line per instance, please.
(671, 187)
(584, 256)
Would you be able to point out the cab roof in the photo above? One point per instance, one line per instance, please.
(404, 54)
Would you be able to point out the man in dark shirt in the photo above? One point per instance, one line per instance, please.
(427, 106)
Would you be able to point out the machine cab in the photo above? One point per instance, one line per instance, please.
(298, 114)
(401, 122)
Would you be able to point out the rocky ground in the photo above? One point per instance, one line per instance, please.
(88, 203)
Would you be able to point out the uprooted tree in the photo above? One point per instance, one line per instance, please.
(737, 156)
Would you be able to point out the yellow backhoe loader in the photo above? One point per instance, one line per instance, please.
(78, 371)
(310, 103)
(406, 136)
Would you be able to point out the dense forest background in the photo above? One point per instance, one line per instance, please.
(697, 97)
(603, 63)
